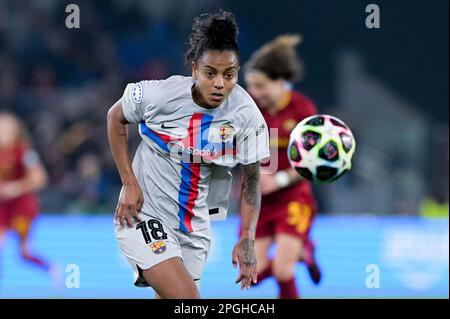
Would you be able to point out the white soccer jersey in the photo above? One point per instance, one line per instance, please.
(185, 146)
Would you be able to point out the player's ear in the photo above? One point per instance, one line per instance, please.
(194, 70)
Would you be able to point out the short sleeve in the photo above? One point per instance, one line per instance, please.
(253, 140)
(30, 158)
(138, 98)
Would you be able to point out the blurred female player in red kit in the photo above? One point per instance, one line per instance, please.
(288, 205)
(21, 175)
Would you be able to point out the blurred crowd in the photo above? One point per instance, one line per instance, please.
(62, 81)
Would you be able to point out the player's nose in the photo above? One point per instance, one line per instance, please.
(219, 83)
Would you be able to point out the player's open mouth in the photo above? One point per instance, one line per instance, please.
(217, 97)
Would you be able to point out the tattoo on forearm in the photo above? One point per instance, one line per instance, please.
(250, 185)
(247, 251)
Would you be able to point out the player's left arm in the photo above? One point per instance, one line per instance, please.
(244, 250)
(291, 177)
(287, 177)
(281, 179)
(34, 180)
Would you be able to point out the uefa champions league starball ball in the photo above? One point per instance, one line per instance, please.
(321, 148)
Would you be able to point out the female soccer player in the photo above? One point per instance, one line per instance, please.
(194, 129)
(21, 175)
(288, 206)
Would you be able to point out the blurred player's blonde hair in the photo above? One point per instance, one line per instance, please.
(278, 58)
(23, 137)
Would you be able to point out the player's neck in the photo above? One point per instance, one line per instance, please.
(281, 104)
(284, 100)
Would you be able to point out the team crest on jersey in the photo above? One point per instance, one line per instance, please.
(225, 131)
(137, 93)
(158, 247)
(289, 124)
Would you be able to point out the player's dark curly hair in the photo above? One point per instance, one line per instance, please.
(212, 31)
(278, 59)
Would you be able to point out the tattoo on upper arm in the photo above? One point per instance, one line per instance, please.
(250, 185)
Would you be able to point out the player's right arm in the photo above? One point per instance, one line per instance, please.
(131, 198)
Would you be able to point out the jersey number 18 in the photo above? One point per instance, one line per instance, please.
(156, 230)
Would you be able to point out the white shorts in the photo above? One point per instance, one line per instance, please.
(149, 242)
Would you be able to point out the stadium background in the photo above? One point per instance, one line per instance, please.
(390, 85)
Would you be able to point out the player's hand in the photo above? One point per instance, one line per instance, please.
(10, 190)
(267, 183)
(244, 256)
(130, 204)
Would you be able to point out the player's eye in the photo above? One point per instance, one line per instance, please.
(209, 73)
(230, 75)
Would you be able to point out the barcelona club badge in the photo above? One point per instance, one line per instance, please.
(226, 130)
(158, 247)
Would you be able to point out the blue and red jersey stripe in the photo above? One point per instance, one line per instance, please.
(197, 138)
(160, 139)
(190, 172)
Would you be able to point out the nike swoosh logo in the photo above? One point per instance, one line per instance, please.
(167, 127)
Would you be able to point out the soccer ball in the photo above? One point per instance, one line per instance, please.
(321, 148)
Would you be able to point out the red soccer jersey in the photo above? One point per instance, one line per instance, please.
(296, 107)
(13, 165)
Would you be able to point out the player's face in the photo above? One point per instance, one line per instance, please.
(9, 131)
(216, 73)
(266, 92)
